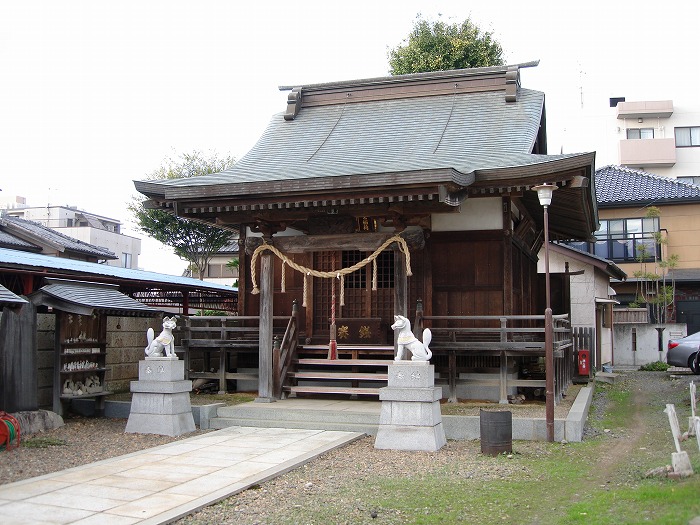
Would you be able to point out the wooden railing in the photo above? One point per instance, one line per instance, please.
(213, 346)
(284, 352)
(507, 338)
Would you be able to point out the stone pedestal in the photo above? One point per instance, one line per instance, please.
(410, 418)
(160, 403)
(680, 461)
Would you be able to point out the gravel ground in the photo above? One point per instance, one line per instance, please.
(84, 440)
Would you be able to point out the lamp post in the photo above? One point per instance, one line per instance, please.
(544, 194)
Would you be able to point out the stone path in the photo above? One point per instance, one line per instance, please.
(160, 484)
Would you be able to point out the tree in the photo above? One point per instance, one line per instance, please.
(194, 242)
(437, 46)
(653, 288)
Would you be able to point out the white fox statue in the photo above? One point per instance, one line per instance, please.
(408, 341)
(164, 344)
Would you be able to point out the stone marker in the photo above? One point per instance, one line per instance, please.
(693, 419)
(679, 459)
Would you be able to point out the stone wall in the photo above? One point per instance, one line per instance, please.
(126, 340)
(646, 350)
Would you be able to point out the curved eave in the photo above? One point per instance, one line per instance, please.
(573, 210)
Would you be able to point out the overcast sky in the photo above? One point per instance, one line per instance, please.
(95, 94)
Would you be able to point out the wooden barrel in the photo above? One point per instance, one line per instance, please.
(496, 431)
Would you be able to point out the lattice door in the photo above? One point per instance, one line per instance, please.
(360, 299)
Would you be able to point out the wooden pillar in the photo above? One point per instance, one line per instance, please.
(243, 272)
(503, 390)
(185, 303)
(265, 371)
(400, 290)
(508, 259)
(400, 284)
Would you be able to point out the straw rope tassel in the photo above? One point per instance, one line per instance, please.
(342, 290)
(284, 277)
(305, 292)
(374, 275)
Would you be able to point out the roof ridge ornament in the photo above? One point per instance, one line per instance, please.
(293, 104)
(512, 83)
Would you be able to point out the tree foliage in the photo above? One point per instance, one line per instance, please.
(192, 241)
(437, 46)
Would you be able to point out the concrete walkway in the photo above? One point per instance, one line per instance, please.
(161, 484)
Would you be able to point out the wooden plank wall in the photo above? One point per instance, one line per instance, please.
(18, 359)
(467, 273)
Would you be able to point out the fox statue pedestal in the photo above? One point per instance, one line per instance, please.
(160, 403)
(410, 418)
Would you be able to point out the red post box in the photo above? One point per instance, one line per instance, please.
(584, 362)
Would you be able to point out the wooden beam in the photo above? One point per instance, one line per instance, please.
(356, 241)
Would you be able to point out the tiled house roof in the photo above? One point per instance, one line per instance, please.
(7, 240)
(27, 235)
(620, 186)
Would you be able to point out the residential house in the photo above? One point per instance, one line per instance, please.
(221, 268)
(626, 234)
(25, 235)
(84, 226)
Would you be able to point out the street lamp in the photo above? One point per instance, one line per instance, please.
(544, 194)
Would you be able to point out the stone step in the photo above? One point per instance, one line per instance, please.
(369, 428)
(255, 412)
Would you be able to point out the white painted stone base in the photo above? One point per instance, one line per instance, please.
(680, 461)
(410, 417)
(161, 399)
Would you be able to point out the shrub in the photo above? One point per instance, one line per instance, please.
(656, 366)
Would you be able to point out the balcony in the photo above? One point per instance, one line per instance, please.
(648, 109)
(640, 153)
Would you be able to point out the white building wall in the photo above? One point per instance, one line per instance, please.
(474, 214)
(115, 242)
(585, 288)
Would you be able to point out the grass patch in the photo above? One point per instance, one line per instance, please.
(620, 410)
(42, 442)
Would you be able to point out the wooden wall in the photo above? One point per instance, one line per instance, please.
(468, 275)
(458, 273)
